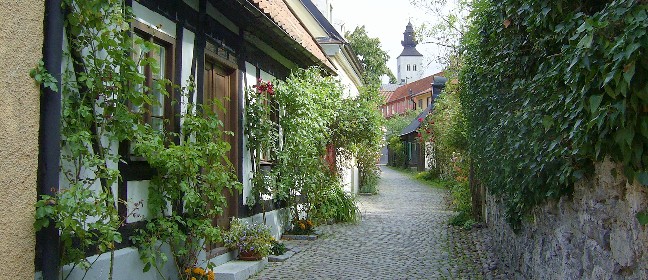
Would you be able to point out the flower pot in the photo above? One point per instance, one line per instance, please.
(249, 256)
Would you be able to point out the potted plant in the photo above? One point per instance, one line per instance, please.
(253, 241)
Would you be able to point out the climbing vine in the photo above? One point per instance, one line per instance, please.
(105, 101)
(357, 133)
(551, 87)
(95, 116)
(308, 101)
(262, 132)
(187, 194)
(293, 124)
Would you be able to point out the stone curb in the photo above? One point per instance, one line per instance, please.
(298, 237)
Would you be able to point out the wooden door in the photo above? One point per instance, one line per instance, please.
(221, 95)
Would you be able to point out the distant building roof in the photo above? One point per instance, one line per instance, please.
(410, 51)
(416, 87)
(437, 89)
(389, 87)
(415, 124)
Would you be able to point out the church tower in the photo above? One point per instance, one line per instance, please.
(410, 61)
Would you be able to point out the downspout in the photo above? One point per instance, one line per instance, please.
(50, 134)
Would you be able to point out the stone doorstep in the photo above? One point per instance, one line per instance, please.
(239, 270)
(298, 237)
(281, 258)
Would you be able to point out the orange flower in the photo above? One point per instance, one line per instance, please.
(302, 226)
(211, 275)
(199, 271)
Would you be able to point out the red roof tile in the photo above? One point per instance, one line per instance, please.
(279, 12)
(418, 87)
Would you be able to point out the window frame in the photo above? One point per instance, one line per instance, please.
(135, 168)
(149, 34)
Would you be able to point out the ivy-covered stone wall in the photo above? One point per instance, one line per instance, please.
(592, 234)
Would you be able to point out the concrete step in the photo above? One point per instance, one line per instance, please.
(239, 270)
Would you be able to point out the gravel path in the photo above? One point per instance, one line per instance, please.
(403, 234)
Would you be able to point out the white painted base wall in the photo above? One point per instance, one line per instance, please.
(127, 266)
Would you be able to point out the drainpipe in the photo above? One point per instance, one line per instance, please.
(50, 134)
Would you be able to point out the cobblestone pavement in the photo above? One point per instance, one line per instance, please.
(403, 234)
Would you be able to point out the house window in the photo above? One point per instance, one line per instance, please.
(408, 67)
(414, 67)
(154, 116)
(134, 169)
(420, 103)
(162, 51)
(429, 100)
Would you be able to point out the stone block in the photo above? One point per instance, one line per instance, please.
(239, 270)
(281, 258)
(298, 237)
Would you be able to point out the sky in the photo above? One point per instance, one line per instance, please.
(386, 20)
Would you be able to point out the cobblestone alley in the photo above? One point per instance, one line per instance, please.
(403, 234)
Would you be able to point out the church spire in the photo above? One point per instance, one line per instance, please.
(410, 61)
(408, 37)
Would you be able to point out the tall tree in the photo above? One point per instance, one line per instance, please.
(371, 55)
(444, 28)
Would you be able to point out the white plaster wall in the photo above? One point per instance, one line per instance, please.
(188, 39)
(137, 200)
(127, 266)
(411, 75)
(249, 79)
(356, 179)
(277, 220)
(154, 20)
(350, 89)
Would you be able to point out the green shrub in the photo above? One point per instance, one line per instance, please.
(277, 248)
(334, 205)
(397, 148)
(581, 97)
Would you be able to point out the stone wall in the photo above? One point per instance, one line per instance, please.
(592, 235)
(21, 43)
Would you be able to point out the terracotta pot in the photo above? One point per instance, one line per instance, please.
(249, 256)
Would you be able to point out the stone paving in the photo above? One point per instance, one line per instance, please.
(403, 234)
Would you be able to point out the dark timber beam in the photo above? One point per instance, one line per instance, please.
(50, 135)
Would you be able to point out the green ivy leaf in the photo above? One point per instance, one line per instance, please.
(624, 136)
(586, 41)
(547, 122)
(595, 102)
(642, 217)
(642, 177)
(628, 72)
